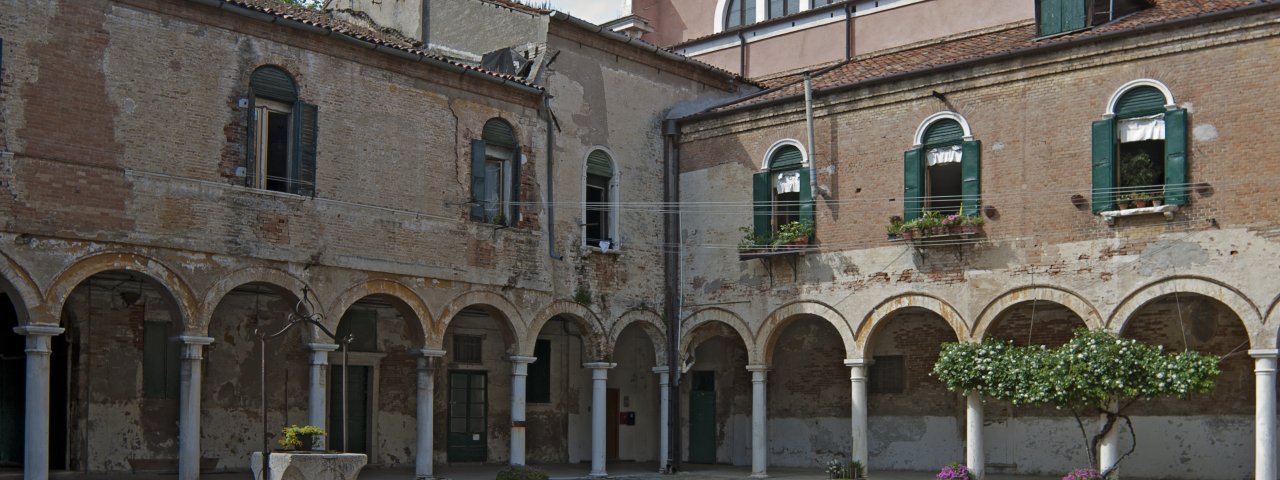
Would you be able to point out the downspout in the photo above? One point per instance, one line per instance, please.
(671, 279)
(545, 112)
(742, 53)
(848, 32)
(808, 122)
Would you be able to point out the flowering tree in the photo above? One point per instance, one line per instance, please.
(1097, 371)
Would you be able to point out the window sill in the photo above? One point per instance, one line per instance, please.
(770, 252)
(611, 251)
(953, 236)
(1166, 210)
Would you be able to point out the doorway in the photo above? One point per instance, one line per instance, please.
(468, 412)
(702, 418)
(357, 439)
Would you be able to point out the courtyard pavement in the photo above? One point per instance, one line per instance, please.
(619, 470)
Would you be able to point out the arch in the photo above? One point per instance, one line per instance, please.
(873, 319)
(514, 321)
(1245, 310)
(22, 290)
(649, 321)
(1142, 82)
(1267, 335)
(931, 119)
(583, 316)
(403, 294)
(768, 155)
(1061, 296)
(280, 279)
(715, 314)
(168, 279)
(273, 82)
(777, 321)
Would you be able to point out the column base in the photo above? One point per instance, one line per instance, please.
(425, 477)
(759, 475)
(598, 475)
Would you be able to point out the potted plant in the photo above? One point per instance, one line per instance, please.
(955, 471)
(969, 224)
(750, 242)
(1125, 201)
(931, 223)
(796, 232)
(840, 470)
(896, 227)
(300, 438)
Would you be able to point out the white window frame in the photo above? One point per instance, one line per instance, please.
(1169, 103)
(262, 108)
(612, 230)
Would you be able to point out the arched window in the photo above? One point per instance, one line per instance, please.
(495, 174)
(778, 8)
(782, 193)
(281, 134)
(600, 227)
(942, 172)
(739, 12)
(1140, 148)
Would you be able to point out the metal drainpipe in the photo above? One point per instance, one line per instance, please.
(671, 304)
(551, 157)
(848, 32)
(808, 120)
(742, 53)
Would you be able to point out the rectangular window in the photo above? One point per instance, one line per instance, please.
(887, 375)
(494, 180)
(467, 349)
(538, 388)
(1059, 16)
(275, 129)
(597, 209)
(160, 362)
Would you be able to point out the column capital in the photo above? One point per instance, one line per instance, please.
(661, 369)
(757, 368)
(599, 365)
(858, 362)
(1264, 352)
(194, 340)
(323, 347)
(428, 352)
(522, 359)
(36, 329)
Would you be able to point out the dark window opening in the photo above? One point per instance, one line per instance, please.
(704, 381)
(944, 187)
(276, 150)
(1141, 167)
(739, 13)
(362, 325)
(887, 375)
(538, 388)
(786, 208)
(597, 209)
(467, 349)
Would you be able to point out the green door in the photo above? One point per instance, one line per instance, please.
(702, 418)
(357, 409)
(467, 417)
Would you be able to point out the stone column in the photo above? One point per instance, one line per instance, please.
(519, 373)
(759, 422)
(664, 392)
(426, 398)
(35, 458)
(189, 406)
(599, 383)
(318, 397)
(1264, 374)
(858, 382)
(1109, 448)
(974, 458)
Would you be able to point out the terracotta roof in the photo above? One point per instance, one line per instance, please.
(974, 45)
(326, 21)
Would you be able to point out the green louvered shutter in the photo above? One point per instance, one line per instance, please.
(762, 204)
(942, 133)
(514, 214)
(250, 153)
(305, 155)
(971, 176)
(806, 196)
(912, 183)
(599, 164)
(477, 180)
(498, 133)
(786, 158)
(1074, 16)
(273, 83)
(1104, 165)
(1140, 101)
(1175, 157)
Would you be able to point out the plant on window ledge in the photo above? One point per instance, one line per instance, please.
(797, 232)
(1138, 175)
(933, 224)
(751, 242)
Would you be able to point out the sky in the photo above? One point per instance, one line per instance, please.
(595, 11)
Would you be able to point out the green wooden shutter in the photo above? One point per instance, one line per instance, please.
(498, 133)
(1050, 17)
(1074, 16)
(304, 181)
(159, 361)
(514, 212)
(274, 83)
(1104, 164)
(477, 180)
(806, 196)
(971, 176)
(1175, 157)
(250, 153)
(599, 164)
(761, 194)
(785, 158)
(1139, 102)
(943, 132)
(912, 183)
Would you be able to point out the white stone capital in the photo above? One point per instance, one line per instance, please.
(857, 362)
(194, 340)
(1264, 353)
(38, 337)
(322, 347)
(192, 346)
(427, 352)
(599, 365)
(661, 369)
(522, 359)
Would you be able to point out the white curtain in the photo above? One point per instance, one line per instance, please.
(788, 182)
(939, 155)
(1142, 129)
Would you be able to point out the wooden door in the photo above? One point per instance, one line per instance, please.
(611, 424)
(702, 418)
(358, 411)
(468, 417)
